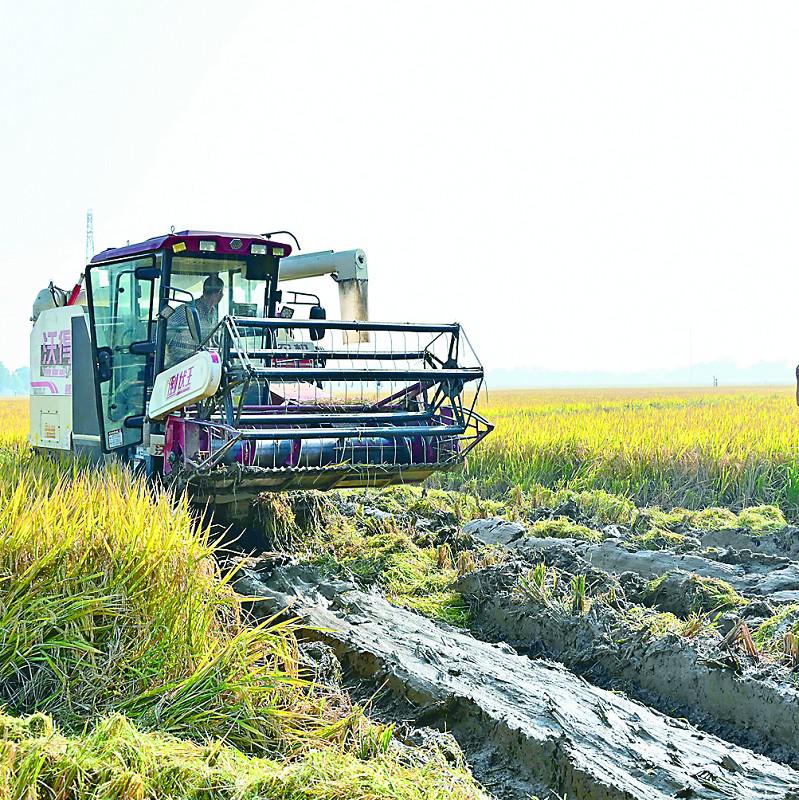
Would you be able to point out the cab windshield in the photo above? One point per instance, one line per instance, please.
(239, 296)
(202, 291)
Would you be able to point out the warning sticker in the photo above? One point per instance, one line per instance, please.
(115, 438)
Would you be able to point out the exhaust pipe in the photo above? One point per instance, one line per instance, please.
(349, 270)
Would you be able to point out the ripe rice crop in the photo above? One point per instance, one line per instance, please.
(119, 627)
(13, 419)
(668, 447)
(110, 602)
(693, 448)
(115, 760)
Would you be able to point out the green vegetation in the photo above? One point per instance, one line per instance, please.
(110, 602)
(428, 503)
(713, 594)
(654, 518)
(580, 602)
(757, 519)
(117, 761)
(682, 519)
(386, 551)
(126, 648)
(593, 506)
(697, 594)
(656, 624)
(563, 528)
(116, 620)
(411, 576)
(621, 618)
(770, 634)
(596, 508)
(539, 584)
(762, 519)
(659, 539)
(603, 508)
(714, 519)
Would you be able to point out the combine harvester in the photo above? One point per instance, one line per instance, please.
(183, 356)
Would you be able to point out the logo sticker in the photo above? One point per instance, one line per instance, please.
(179, 383)
(56, 354)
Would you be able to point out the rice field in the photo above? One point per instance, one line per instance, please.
(13, 419)
(691, 448)
(667, 447)
(121, 633)
(130, 669)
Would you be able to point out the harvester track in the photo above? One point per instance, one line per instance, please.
(526, 725)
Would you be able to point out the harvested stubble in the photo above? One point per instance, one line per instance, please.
(667, 447)
(384, 551)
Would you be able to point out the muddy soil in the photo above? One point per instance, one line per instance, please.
(751, 574)
(781, 543)
(547, 731)
(719, 690)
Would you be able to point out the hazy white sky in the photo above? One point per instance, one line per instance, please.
(583, 185)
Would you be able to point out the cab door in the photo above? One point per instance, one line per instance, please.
(122, 297)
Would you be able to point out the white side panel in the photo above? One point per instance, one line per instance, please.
(51, 378)
(186, 383)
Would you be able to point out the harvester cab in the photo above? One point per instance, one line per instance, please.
(186, 356)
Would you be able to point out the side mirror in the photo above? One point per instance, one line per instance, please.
(147, 273)
(317, 312)
(105, 360)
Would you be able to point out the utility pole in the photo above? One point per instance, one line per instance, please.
(89, 236)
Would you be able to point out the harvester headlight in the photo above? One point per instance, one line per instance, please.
(207, 246)
(178, 247)
(258, 249)
(278, 251)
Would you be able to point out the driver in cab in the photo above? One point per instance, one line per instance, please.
(182, 338)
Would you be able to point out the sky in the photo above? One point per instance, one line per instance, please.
(585, 186)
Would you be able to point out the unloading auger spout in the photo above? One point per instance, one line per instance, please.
(349, 270)
(189, 356)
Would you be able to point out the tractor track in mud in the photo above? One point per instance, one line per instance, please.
(527, 726)
(671, 674)
(754, 566)
(755, 705)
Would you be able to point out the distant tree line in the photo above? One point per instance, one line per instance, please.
(16, 382)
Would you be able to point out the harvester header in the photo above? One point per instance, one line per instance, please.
(188, 356)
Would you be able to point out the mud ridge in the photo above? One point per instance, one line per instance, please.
(549, 729)
(780, 543)
(774, 578)
(715, 690)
